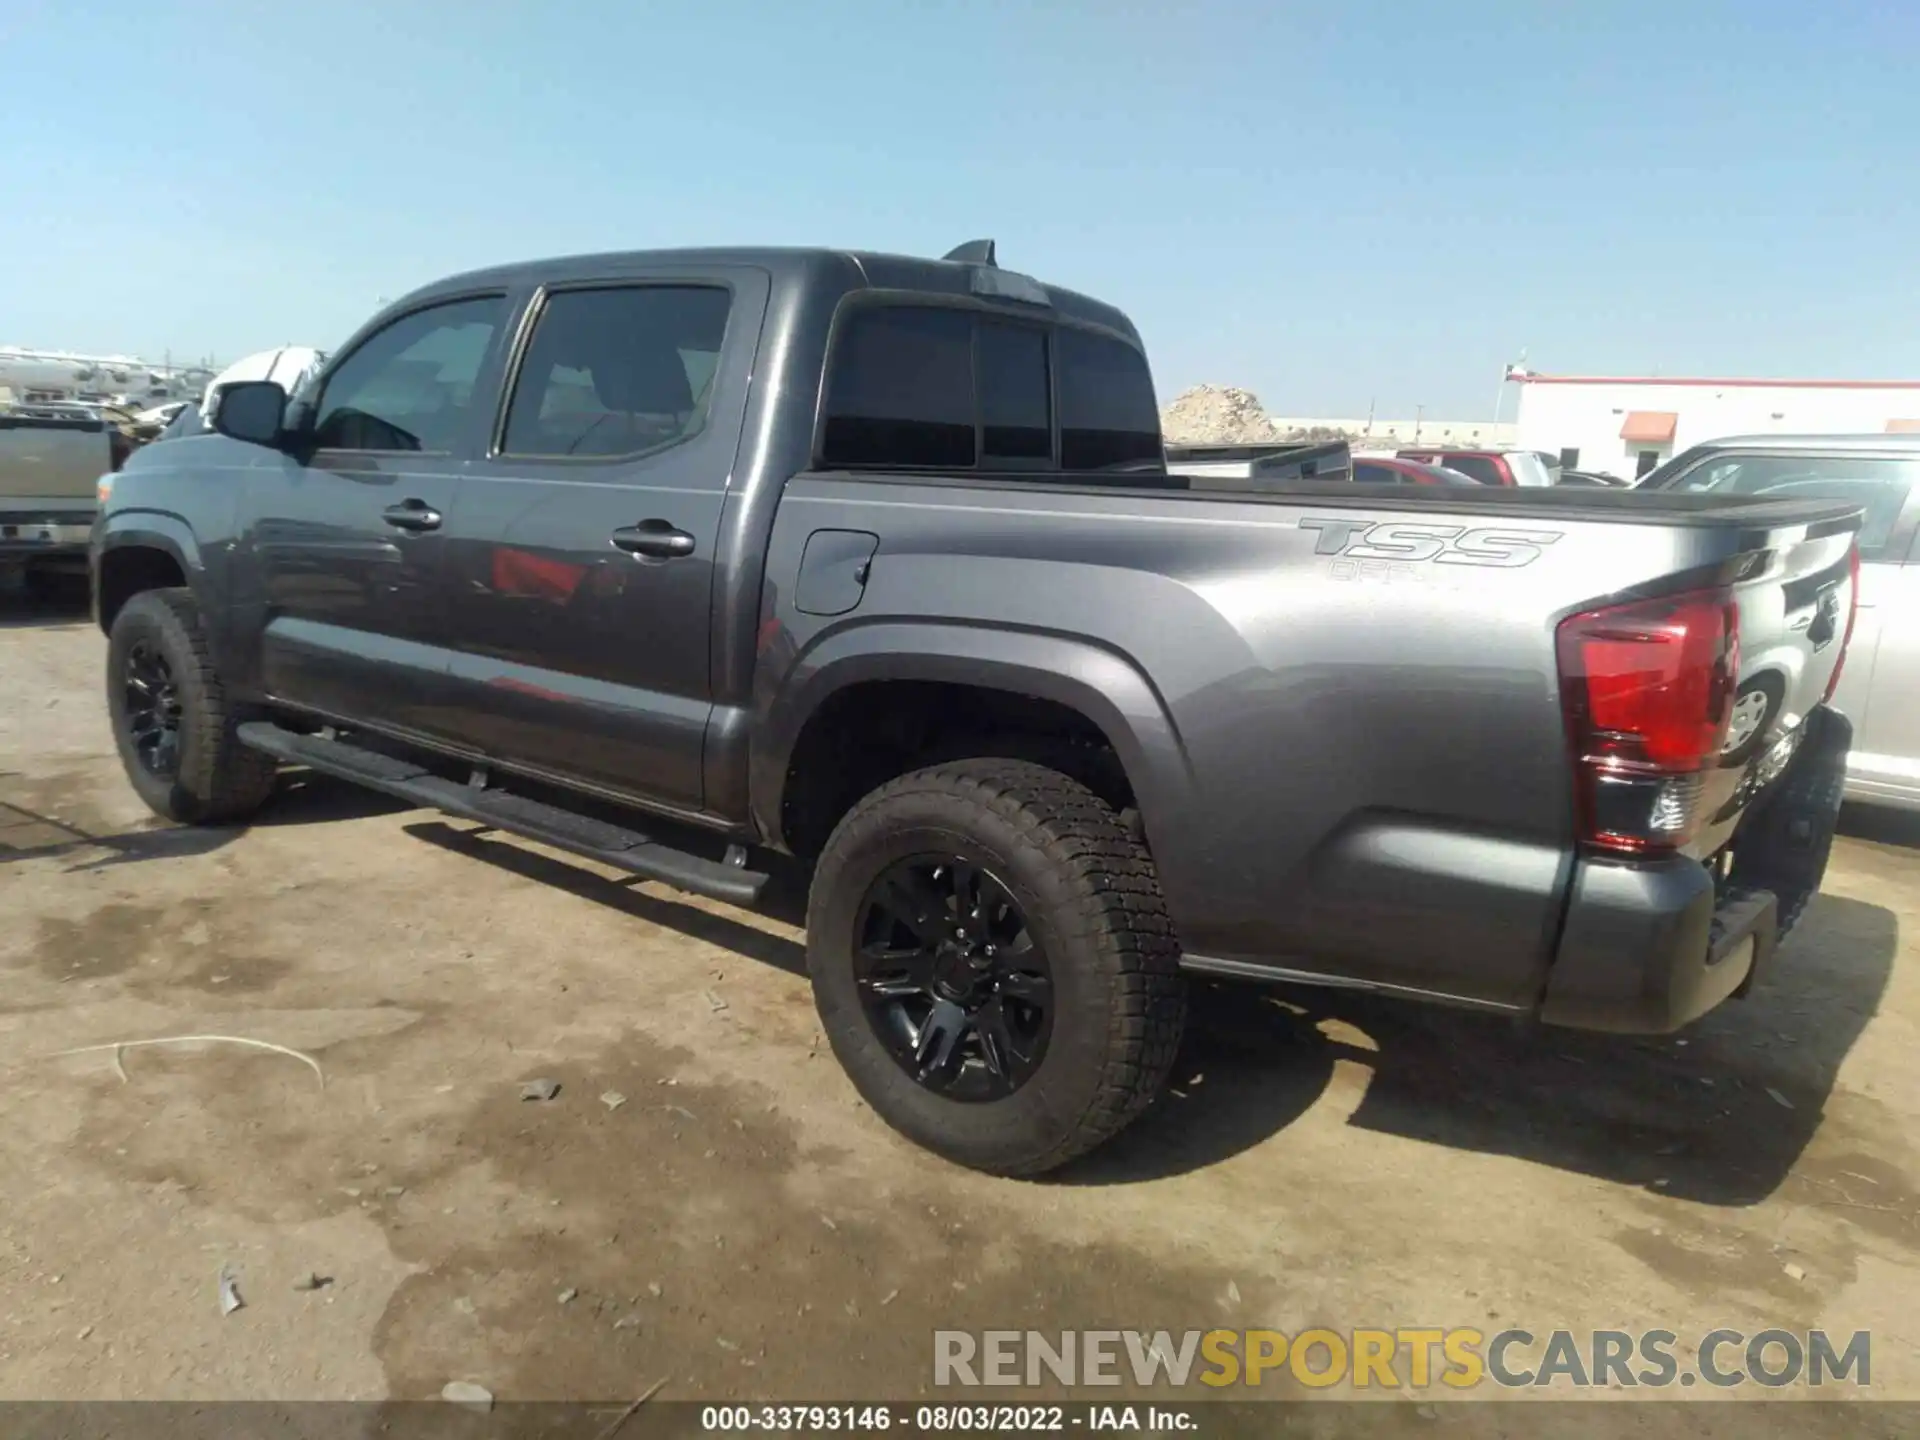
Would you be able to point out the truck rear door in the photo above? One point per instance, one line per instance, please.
(582, 556)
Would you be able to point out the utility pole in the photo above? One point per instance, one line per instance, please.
(1505, 371)
(1418, 412)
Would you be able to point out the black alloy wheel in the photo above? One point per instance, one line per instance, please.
(152, 709)
(951, 978)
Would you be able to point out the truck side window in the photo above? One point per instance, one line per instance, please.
(901, 389)
(618, 371)
(1108, 415)
(1016, 410)
(410, 386)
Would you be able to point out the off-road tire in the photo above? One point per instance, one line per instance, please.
(218, 780)
(1087, 887)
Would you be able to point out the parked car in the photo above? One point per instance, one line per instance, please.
(1881, 687)
(51, 461)
(1592, 478)
(161, 416)
(1493, 467)
(1381, 470)
(877, 561)
(1263, 464)
(1269, 464)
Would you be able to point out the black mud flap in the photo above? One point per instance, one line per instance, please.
(1784, 841)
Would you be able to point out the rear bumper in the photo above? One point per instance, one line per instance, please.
(1647, 949)
(25, 533)
(1650, 947)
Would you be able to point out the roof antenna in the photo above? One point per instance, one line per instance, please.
(974, 252)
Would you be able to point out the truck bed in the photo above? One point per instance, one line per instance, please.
(1340, 705)
(1613, 507)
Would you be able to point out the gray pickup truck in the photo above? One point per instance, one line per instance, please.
(876, 561)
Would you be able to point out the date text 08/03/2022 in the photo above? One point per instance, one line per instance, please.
(942, 1419)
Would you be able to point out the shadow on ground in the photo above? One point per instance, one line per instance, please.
(29, 832)
(1718, 1114)
(46, 599)
(785, 900)
(1882, 824)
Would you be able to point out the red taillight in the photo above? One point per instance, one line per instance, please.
(1853, 613)
(1648, 690)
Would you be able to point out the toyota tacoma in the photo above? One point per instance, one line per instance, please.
(676, 559)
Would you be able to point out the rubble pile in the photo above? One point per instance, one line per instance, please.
(1216, 415)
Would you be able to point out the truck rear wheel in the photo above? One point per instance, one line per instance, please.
(172, 721)
(993, 964)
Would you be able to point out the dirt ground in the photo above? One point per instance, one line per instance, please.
(739, 1224)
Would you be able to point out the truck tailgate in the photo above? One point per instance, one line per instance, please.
(45, 460)
(1795, 590)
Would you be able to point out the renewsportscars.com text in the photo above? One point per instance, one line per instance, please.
(1459, 1358)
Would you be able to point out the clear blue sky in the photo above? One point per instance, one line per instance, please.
(1333, 204)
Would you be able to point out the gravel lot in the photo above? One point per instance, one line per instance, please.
(739, 1223)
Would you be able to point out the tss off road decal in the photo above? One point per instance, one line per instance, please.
(1443, 544)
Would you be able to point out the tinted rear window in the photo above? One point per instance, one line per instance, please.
(1016, 410)
(902, 390)
(952, 389)
(1107, 412)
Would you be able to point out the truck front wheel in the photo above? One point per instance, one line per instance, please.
(993, 964)
(171, 717)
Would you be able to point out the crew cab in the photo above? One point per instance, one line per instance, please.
(675, 559)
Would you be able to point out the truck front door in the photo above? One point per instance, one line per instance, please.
(582, 555)
(339, 594)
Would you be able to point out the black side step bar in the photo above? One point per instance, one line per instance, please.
(610, 844)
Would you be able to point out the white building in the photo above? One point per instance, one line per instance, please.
(1625, 426)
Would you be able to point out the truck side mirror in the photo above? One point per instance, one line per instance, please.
(250, 410)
